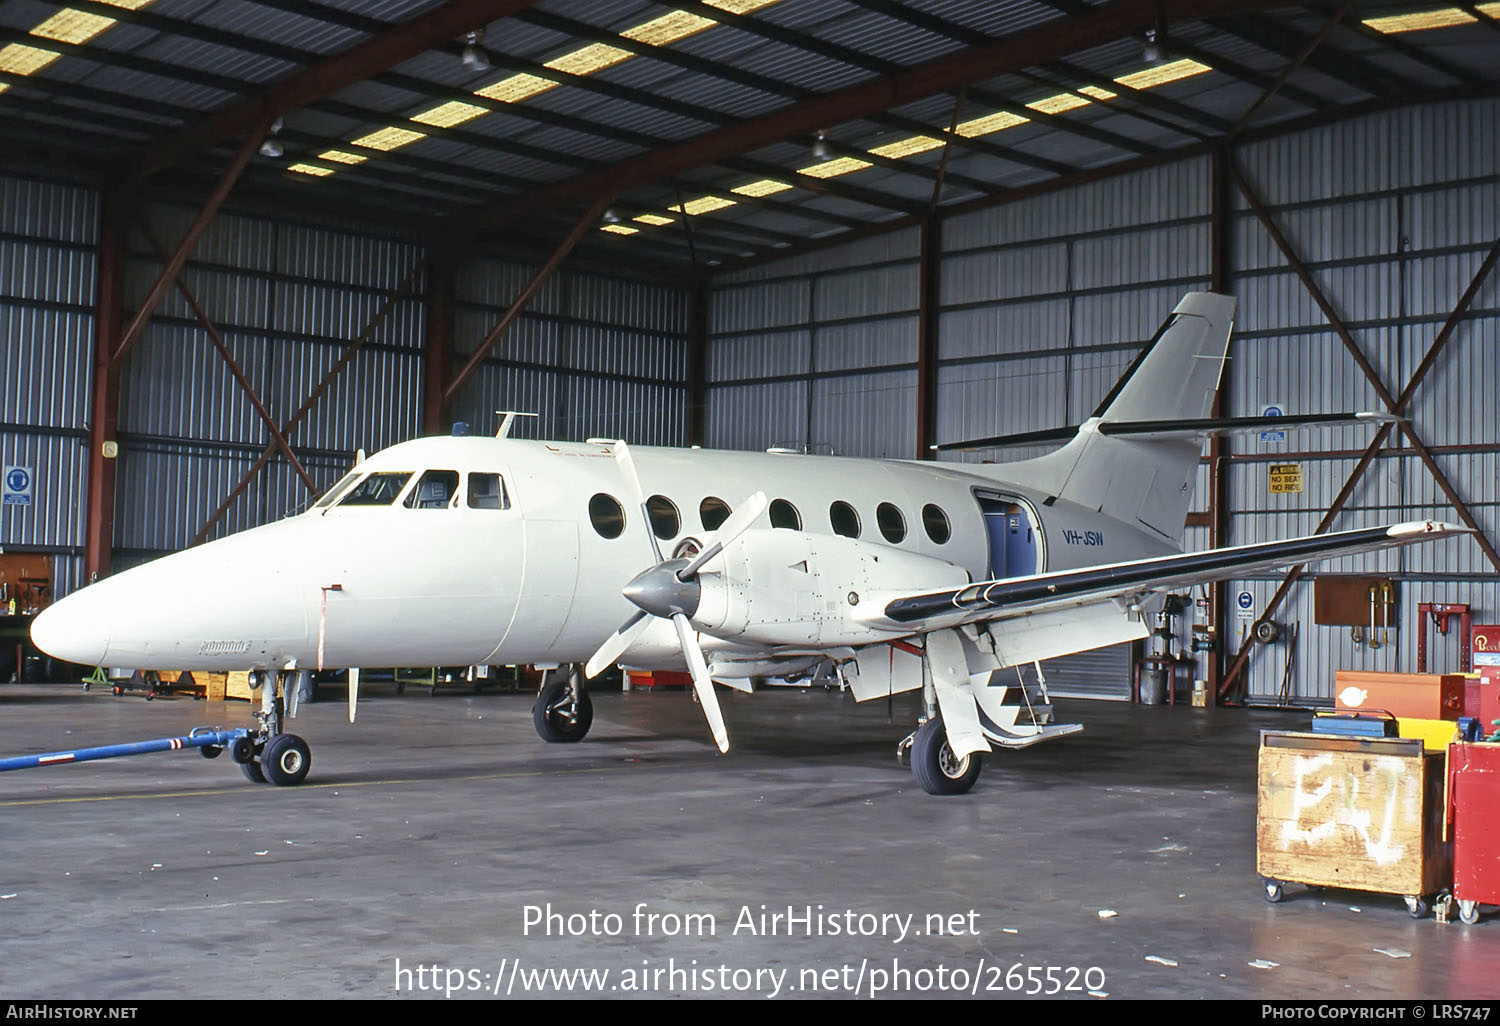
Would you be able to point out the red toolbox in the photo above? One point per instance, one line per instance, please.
(1473, 799)
(1417, 696)
(1482, 697)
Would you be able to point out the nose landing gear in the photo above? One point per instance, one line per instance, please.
(273, 757)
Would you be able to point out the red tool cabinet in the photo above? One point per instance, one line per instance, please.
(1473, 804)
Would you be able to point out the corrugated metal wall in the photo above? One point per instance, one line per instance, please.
(818, 350)
(593, 356)
(1393, 214)
(1044, 302)
(47, 238)
(286, 298)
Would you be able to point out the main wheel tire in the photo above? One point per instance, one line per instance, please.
(555, 722)
(252, 772)
(285, 760)
(934, 765)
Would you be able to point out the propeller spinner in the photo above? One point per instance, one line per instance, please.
(670, 590)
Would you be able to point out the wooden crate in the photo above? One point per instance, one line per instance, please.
(225, 685)
(1362, 813)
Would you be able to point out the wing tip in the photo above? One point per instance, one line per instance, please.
(1435, 528)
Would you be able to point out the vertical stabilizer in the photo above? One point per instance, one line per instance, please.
(1140, 480)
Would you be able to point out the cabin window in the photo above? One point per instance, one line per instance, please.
(712, 512)
(607, 515)
(487, 491)
(377, 490)
(435, 490)
(935, 521)
(844, 519)
(331, 496)
(891, 521)
(665, 520)
(784, 514)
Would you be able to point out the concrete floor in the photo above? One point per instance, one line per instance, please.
(425, 831)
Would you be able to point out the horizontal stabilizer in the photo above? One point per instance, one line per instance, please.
(1157, 429)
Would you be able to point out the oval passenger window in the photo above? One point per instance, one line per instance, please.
(607, 515)
(936, 523)
(784, 514)
(712, 512)
(844, 519)
(665, 520)
(892, 523)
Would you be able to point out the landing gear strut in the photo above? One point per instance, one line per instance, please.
(563, 711)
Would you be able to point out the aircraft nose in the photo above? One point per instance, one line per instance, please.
(76, 629)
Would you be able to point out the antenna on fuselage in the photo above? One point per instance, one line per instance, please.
(509, 419)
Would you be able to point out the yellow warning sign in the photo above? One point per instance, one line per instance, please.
(1286, 477)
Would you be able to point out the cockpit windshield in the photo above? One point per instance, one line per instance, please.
(332, 495)
(377, 490)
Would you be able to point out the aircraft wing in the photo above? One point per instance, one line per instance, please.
(1024, 596)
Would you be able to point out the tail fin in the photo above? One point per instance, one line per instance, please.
(1149, 481)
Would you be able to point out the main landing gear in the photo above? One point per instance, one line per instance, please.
(563, 711)
(270, 756)
(934, 766)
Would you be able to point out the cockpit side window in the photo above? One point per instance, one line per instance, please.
(487, 491)
(435, 490)
(332, 495)
(377, 490)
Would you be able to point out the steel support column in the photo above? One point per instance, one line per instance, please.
(697, 361)
(928, 304)
(437, 351)
(104, 410)
(1221, 247)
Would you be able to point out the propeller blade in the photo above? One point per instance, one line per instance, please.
(633, 485)
(702, 682)
(353, 691)
(738, 523)
(615, 645)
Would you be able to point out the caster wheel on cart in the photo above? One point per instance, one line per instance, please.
(1273, 891)
(1468, 912)
(1416, 906)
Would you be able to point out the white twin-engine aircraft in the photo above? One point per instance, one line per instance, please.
(890, 575)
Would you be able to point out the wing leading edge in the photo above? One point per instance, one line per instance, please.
(1018, 596)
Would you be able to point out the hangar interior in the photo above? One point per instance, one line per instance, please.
(241, 242)
(1017, 230)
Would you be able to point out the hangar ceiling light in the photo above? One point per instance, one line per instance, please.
(1148, 78)
(66, 26)
(584, 60)
(1417, 21)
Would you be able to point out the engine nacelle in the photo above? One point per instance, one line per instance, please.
(776, 587)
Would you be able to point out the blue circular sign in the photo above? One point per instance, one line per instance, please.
(18, 480)
(1245, 600)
